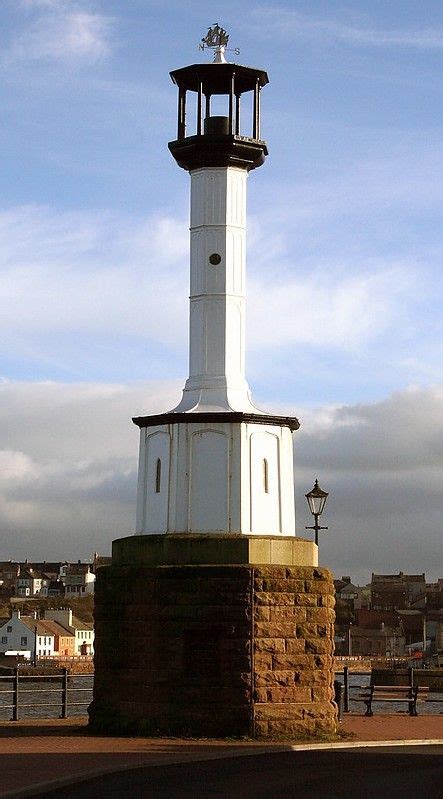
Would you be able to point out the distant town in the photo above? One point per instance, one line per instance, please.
(46, 610)
(46, 614)
(394, 616)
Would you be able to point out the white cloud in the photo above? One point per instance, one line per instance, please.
(68, 473)
(343, 312)
(68, 464)
(82, 273)
(289, 23)
(60, 32)
(88, 274)
(382, 464)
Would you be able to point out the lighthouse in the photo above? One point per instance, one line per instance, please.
(216, 464)
(214, 619)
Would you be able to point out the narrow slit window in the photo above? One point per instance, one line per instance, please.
(158, 476)
(265, 476)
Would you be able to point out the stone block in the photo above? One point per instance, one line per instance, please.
(287, 728)
(319, 646)
(291, 661)
(318, 587)
(296, 646)
(260, 694)
(260, 550)
(271, 629)
(261, 728)
(322, 693)
(297, 586)
(282, 551)
(287, 614)
(270, 585)
(305, 600)
(307, 631)
(319, 710)
(269, 645)
(274, 598)
(289, 694)
(279, 710)
(274, 678)
(320, 615)
(262, 661)
(262, 613)
(270, 572)
(321, 677)
(323, 662)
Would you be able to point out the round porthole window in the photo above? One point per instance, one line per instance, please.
(215, 259)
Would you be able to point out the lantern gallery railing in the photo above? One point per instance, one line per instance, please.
(25, 692)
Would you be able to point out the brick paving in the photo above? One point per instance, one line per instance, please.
(42, 751)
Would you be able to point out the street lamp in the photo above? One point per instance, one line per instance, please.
(316, 501)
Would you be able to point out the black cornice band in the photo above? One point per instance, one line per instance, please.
(233, 417)
(196, 152)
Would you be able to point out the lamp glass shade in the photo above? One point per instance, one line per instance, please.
(316, 499)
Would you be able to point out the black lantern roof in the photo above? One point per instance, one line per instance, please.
(217, 78)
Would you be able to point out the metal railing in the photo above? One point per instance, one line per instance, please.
(19, 693)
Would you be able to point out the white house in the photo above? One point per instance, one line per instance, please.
(23, 635)
(83, 632)
(79, 579)
(31, 582)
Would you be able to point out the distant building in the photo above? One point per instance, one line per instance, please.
(31, 583)
(26, 635)
(381, 642)
(396, 591)
(83, 632)
(99, 561)
(79, 579)
(53, 570)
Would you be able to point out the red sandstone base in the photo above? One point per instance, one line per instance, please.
(214, 651)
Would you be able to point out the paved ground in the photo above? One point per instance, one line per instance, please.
(303, 775)
(49, 753)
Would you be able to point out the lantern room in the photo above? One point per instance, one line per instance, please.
(219, 140)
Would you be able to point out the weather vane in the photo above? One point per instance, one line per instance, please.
(217, 38)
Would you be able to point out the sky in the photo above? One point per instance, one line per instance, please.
(344, 262)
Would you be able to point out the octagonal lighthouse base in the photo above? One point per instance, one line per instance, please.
(216, 473)
(210, 649)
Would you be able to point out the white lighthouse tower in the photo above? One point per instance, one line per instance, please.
(216, 464)
(221, 612)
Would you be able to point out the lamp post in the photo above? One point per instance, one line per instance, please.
(316, 501)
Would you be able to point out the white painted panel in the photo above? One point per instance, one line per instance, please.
(215, 242)
(233, 339)
(239, 262)
(265, 505)
(179, 504)
(157, 450)
(141, 486)
(209, 480)
(287, 482)
(236, 197)
(215, 338)
(197, 197)
(198, 247)
(197, 349)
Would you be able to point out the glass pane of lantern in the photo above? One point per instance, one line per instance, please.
(317, 499)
